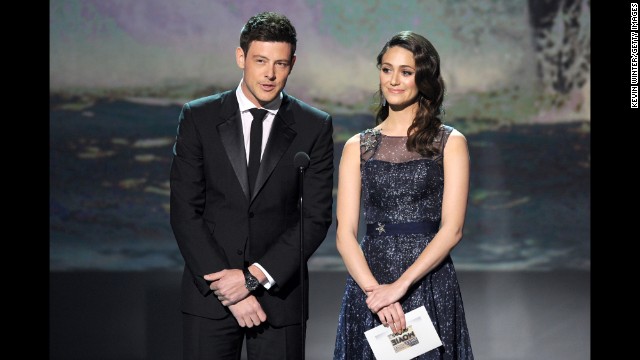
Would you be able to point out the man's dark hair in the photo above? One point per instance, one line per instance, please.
(270, 27)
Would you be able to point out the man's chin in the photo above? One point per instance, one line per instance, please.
(267, 99)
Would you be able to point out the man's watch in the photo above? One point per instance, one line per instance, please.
(250, 281)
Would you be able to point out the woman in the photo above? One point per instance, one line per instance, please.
(413, 174)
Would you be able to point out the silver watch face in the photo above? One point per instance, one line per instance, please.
(250, 281)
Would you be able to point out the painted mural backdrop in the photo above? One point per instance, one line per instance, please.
(518, 86)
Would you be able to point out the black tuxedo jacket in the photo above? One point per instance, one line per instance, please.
(218, 226)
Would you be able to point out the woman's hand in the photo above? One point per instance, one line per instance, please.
(380, 296)
(392, 316)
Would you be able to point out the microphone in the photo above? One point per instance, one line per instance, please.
(301, 162)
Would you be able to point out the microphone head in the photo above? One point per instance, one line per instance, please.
(301, 160)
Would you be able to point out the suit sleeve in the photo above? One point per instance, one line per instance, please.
(318, 190)
(199, 249)
(282, 261)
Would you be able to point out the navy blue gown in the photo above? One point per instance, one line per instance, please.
(400, 187)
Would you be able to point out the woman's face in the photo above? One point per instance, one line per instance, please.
(398, 77)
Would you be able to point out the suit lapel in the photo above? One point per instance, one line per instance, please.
(280, 138)
(230, 133)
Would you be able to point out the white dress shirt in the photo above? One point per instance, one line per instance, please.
(247, 118)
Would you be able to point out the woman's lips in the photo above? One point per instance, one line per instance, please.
(395, 91)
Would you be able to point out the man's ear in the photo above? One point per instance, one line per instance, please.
(240, 57)
(293, 61)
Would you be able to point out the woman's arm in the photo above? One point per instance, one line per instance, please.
(348, 215)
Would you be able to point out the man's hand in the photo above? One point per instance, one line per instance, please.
(248, 312)
(228, 285)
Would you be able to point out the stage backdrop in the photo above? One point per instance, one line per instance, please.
(517, 75)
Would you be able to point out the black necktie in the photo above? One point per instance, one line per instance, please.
(255, 145)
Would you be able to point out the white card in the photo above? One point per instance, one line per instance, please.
(419, 338)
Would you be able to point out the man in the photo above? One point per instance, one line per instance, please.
(235, 216)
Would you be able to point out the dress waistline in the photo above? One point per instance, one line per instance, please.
(379, 228)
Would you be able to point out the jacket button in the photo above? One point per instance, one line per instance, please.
(251, 214)
(239, 252)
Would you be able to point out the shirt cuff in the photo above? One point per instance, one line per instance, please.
(270, 282)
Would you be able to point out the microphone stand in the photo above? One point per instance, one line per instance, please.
(302, 320)
(301, 161)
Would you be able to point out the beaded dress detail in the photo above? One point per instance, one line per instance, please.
(399, 187)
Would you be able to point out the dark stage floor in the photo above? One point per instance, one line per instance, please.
(135, 315)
